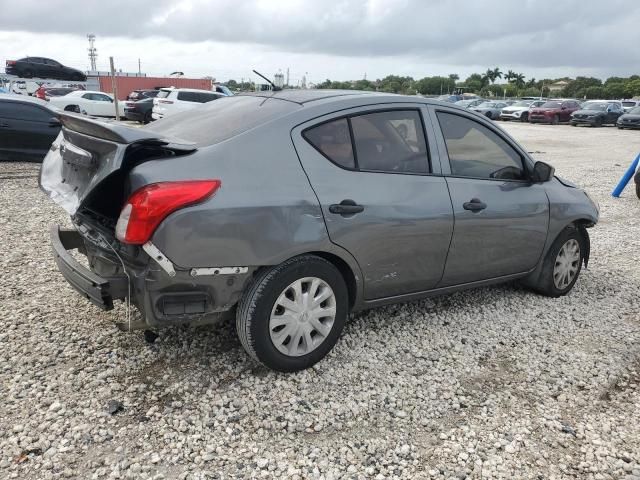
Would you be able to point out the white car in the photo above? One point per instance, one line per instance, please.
(96, 104)
(520, 110)
(627, 105)
(174, 100)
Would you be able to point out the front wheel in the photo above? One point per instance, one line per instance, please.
(524, 117)
(598, 122)
(562, 264)
(292, 315)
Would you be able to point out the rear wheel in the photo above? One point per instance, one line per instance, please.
(598, 122)
(562, 264)
(555, 120)
(489, 115)
(524, 117)
(292, 314)
(147, 117)
(72, 108)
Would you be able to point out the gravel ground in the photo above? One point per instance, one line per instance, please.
(490, 383)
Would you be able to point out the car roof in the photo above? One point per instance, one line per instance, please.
(171, 89)
(305, 96)
(22, 98)
(78, 92)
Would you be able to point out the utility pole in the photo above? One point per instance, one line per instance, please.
(114, 88)
(139, 69)
(93, 51)
(287, 77)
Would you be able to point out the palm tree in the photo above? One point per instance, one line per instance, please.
(496, 74)
(509, 76)
(531, 83)
(519, 80)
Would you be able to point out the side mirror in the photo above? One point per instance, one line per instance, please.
(54, 122)
(542, 172)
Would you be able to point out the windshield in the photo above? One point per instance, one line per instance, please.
(487, 105)
(464, 103)
(600, 107)
(551, 105)
(634, 111)
(522, 103)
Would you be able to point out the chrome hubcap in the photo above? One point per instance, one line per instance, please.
(302, 316)
(567, 263)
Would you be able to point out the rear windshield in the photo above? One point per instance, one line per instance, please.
(163, 93)
(217, 121)
(628, 104)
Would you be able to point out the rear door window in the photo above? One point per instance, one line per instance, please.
(21, 111)
(391, 141)
(332, 139)
(189, 97)
(163, 93)
(208, 97)
(477, 152)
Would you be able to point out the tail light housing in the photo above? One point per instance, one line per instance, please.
(11, 62)
(148, 206)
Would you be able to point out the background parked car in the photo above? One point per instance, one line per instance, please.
(597, 113)
(630, 104)
(140, 94)
(28, 127)
(174, 100)
(470, 103)
(97, 104)
(45, 93)
(554, 111)
(490, 110)
(631, 119)
(520, 110)
(139, 111)
(40, 67)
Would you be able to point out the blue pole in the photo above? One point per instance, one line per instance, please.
(626, 177)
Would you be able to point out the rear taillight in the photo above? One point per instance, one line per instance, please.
(150, 205)
(11, 62)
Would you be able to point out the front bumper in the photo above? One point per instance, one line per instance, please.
(100, 291)
(537, 118)
(628, 124)
(511, 116)
(583, 121)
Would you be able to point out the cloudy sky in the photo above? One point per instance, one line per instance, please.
(337, 39)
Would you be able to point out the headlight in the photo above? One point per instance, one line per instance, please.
(517, 114)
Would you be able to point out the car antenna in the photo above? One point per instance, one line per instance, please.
(273, 85)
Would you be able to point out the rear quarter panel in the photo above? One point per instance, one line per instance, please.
(264, 213)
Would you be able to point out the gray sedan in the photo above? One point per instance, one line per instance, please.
(290, 209)
(490, 110)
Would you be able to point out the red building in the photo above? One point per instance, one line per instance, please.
(126, 84)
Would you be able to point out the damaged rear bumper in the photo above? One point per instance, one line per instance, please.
(99, 290)
(163, 298)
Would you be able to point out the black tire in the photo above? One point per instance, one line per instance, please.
(555, 120)
(574, 124)
(546, 285)
(72, 108)
(147, 118)
(524, 117)
(28, 73)
(598, 122)
(255, 308)
(638, 190)
(489, 115)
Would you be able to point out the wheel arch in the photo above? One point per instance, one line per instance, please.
(347, 273)
(581, 225)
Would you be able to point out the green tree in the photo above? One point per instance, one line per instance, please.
(632, 88)
(577, 88)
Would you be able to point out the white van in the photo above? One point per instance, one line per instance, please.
(174, 100)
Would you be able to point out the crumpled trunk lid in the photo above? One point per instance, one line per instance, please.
(88, 151)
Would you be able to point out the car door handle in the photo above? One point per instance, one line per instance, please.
(346, 207)
(474, 205)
